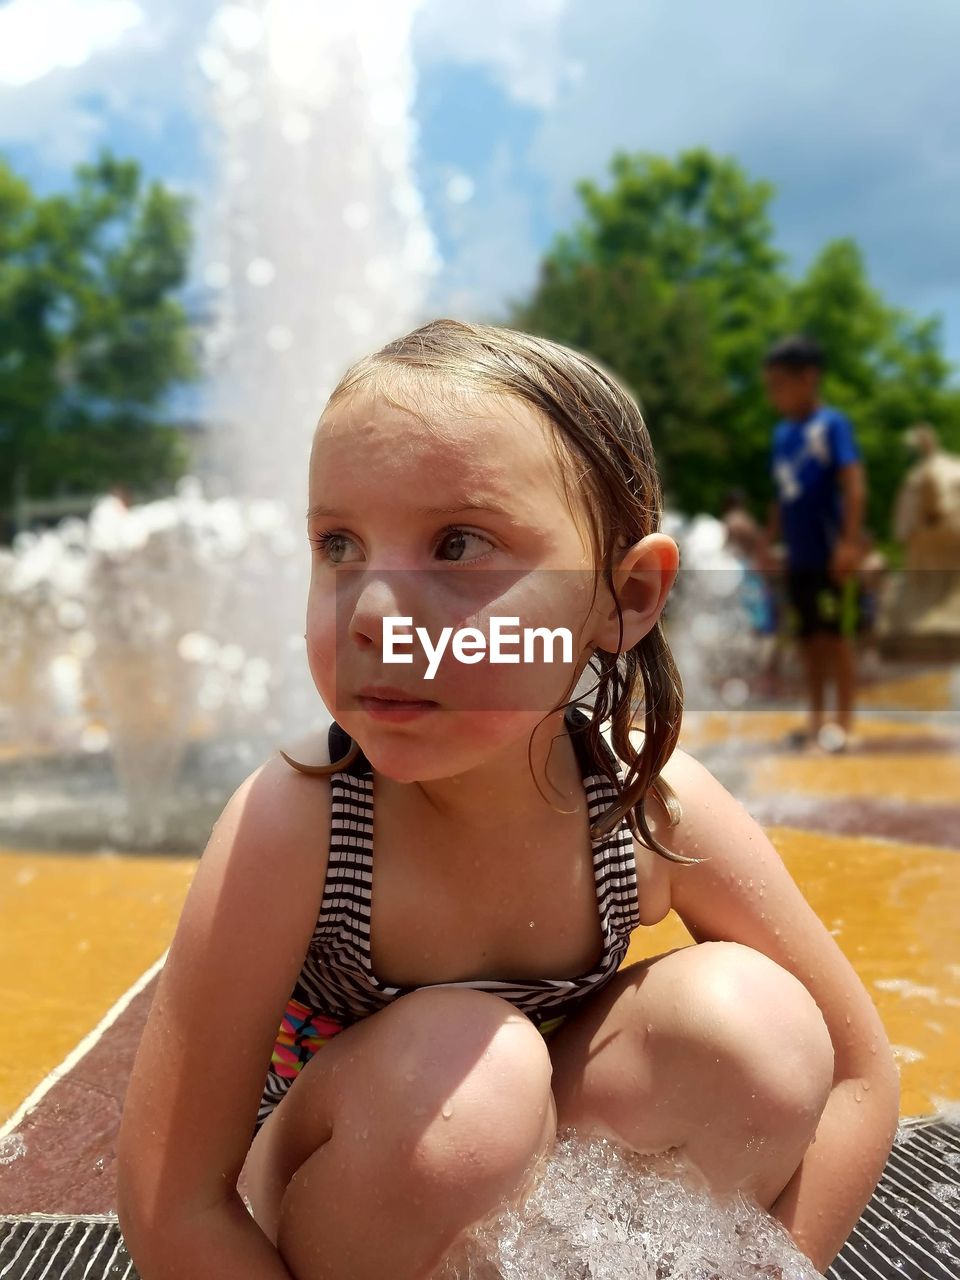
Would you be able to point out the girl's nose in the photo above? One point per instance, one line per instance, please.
(363, 607)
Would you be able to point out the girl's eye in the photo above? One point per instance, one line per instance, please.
(330, 545)
(458, 537)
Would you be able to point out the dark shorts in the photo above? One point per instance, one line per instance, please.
(818, 604)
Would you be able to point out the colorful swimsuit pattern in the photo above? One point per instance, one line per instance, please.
(337, 986)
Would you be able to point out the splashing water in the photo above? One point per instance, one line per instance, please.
(318, 244)
(599, 1212)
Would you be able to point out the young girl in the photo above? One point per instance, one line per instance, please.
(397, 971)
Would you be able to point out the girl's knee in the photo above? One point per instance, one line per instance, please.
(768, 1025)
(436, 1034)
(459, 1092)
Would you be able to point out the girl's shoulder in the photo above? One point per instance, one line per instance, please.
(284, 808)
(692, 814)
(695, 816)
(678, 791)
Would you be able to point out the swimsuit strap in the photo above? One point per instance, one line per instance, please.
(347, 896)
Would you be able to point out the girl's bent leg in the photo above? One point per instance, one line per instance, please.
(713, 1049)
(401, 1133)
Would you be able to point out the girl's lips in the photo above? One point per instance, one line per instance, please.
(393, 710)
(389, 693)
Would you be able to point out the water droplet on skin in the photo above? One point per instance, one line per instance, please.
(848, 1019)
(98, 1165)
(531, 924)
(447, 1110)
(858, 1096)
(866, 1084)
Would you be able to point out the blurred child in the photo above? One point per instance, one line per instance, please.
(816, 467)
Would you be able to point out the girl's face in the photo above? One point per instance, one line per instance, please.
(448, 525)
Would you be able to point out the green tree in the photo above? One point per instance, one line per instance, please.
(672, 280)
(885, 368)
(91, 332)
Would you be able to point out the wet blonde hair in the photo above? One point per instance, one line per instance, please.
(599, 434)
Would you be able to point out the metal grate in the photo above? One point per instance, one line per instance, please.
(910, 1230)
(47, 1247)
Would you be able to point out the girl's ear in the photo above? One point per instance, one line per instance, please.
(643, 578)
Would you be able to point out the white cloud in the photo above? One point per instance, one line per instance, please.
(850, 111)
(137, 72)
(39, 36)
(519, 40)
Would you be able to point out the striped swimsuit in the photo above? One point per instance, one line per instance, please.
(337, 986)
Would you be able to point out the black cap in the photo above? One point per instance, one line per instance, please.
(795, 352)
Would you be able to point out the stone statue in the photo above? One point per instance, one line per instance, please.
(925, 604)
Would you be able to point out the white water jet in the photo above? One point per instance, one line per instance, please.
(314, 249)
(318, 250)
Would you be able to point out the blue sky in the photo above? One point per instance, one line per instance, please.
(851, 110)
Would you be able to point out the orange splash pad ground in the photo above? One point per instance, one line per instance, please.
(872, 838)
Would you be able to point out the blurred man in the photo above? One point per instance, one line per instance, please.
(818, 514)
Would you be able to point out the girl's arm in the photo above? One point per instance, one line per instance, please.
(192, 1098)
(825, 1197)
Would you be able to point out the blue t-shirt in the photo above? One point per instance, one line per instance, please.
(804, 462)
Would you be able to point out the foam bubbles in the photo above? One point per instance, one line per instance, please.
(599, 1211)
